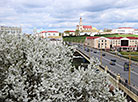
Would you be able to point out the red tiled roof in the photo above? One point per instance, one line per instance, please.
(136, 29)
(125, 28)
(69, 31)
(43, 31)
(87, 26)
(114, 37)
(52, 31)
(132, 37)
(126, 46)
(122, 37)
(92, 37)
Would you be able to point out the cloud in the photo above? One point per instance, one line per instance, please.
(64, 14)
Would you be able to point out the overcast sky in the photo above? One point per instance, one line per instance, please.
(63, 15)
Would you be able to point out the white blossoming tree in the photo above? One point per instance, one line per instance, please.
(36, 70)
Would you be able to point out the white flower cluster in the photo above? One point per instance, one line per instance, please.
(35, 70)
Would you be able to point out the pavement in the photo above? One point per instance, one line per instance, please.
(118, 68)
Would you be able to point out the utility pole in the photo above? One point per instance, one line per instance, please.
(129, 73)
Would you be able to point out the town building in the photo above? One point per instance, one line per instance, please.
(50, 35)
(10, 30)
(69, 33)
(113, 43)
(135, 32)
(123, 30)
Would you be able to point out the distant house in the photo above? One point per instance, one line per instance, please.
(123, 30)
(50, 35)
(69, 33)
(135, 32)
(10, 30)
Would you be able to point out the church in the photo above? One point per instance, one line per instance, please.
(83, 28)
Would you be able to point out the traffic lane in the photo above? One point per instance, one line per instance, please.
(118, 69)
(120, 61)
(114, 68)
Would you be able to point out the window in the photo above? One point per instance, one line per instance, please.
(102, 40)
(105, 40)
(98, 45)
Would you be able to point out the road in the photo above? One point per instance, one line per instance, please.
(118, 68)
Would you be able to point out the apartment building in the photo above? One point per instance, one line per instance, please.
(114, 43)
(10, 30)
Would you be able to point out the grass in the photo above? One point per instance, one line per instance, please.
(78, 39)
(127, 53)
(81, 39)
(118, 35)
(134, 58)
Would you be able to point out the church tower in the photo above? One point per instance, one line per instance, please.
(80, 24)
(80, 21)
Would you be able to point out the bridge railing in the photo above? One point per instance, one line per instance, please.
(123, 82)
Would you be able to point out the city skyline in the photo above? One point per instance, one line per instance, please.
(63, 15)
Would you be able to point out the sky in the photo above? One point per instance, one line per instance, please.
(60, 15)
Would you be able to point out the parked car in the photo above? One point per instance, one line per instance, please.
(112, 63)
(113, 60)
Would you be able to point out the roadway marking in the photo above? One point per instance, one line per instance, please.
(118, 65)
(109, 61)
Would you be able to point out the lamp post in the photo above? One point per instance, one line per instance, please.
(129, 73)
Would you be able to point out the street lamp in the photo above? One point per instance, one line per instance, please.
(129, 73)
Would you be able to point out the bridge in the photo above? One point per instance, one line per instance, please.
(116, 80)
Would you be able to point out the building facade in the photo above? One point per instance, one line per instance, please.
(10, 30)
(113, 43)
(135, 32)
(50, 35)
(124, 30)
